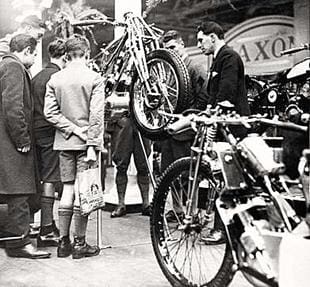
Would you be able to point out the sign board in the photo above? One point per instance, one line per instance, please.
(259, 42)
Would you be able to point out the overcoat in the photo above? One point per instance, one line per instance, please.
(17, 170)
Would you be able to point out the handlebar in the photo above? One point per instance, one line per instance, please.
(297, 49)
(230, 119)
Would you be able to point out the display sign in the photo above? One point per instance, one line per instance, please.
(259, 41)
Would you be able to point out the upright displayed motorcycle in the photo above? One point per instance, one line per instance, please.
(287, 94)
(247, 182)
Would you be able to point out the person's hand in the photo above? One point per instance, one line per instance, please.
(91, 154)
(81, 132)
(24, 149)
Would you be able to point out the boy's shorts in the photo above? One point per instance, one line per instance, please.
(71, 162)
(48, 160)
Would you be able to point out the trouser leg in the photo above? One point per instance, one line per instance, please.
(18, 223)
(121, 186)
(144, 183)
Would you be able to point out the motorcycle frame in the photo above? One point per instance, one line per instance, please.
(200, 148)
(136, 42)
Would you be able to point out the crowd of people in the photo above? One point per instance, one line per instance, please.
(51, 128)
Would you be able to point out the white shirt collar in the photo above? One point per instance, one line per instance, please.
(221, 44)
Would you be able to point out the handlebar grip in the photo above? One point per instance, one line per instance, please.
(285, 125)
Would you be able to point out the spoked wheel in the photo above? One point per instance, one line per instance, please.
(169, 92)
(180, 251)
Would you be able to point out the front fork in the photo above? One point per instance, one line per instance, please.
(193, 185)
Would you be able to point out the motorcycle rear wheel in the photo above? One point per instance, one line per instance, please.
(183, 257)
(170, 85)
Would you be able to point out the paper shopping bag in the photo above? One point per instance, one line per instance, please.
(90, 190)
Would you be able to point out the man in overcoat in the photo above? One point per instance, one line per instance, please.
(17, 170)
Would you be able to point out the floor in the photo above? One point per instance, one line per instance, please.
(128, 261)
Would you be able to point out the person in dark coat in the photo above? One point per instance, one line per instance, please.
(17, 170)
(226, 82)
(47, 158)
(175, 148)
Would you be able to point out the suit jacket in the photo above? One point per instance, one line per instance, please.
(227, 82)
(75, 98)
(41, 125)
(17, 170)
(198, 79)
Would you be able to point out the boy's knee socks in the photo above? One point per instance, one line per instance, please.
(47, 204)
(65, 216)
(80, 222)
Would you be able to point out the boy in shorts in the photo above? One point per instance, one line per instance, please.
(47, 158)
(74, 104)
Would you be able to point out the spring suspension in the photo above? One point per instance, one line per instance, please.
(210, 137)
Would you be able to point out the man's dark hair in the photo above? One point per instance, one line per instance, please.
(211, 27)
(34, 21)
(170, 35)
(57, 48)
(21, 41)
(77, 46)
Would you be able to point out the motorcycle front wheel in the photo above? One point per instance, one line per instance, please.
(182, 255)
(170, 93)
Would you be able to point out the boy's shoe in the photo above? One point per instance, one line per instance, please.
(55, 229)
(119, 211)
(64, 247)
(48, 236)
(82, 249)
(50, 239)
(34, 230)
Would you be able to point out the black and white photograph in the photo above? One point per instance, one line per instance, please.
(154, 143)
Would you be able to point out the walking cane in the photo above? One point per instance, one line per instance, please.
(99, 213)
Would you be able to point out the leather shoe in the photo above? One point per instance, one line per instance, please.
(146, 211)
(55, 229)
(172, 216)
(64, 247)
(214, 237)
(34, 230)
(27, 251)
(81, 249)
(50, 239)
(119, 211)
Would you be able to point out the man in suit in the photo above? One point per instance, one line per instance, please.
(226, 75)
(17, 170)
(226, 83)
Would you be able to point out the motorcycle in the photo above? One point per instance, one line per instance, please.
(288, 95)
(153, 79)
(243, 181)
